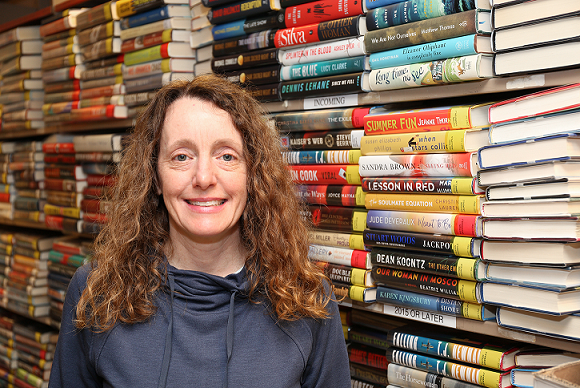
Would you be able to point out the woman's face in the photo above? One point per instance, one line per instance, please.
(202, 171)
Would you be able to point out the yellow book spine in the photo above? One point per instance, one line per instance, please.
(356, 241)
(107, 11)
(415, 142)
(352, 175)
(360, 196)
(357, 276)
(459, 117)
(430, 203)
(466, 268)
(125, 8)
(359, 221)
(474, 375)
(166, 65)
(167, 35)
(357, 293)
(467, 291)
(472, 311)
(462, 185)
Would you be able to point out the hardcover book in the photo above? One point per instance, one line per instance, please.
(524, 12)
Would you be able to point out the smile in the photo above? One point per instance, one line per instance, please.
(207, 203)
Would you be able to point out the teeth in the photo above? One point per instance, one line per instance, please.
(207, 203)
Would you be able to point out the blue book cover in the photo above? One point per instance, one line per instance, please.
(324, 68)
(372, 4)
(442, 49)
(155, 15)
(228, 30)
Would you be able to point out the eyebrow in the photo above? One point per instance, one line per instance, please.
(188, 143)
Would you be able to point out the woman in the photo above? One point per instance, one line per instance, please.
(201, 276)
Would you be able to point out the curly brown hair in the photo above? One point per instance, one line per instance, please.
(129, 263)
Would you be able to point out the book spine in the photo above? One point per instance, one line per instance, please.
(129, 7)
(59, 25)
(145, 55)
(325, 174)
(335, 239)
(324, 51)
(332, 29)
(60, 185)
(335, 195)
(229, 30)
(257, 76)
(94, 206)
(244, 60)
(479, 376)
(104, 72)
(426, 31)
(65, 211)
(215, 3)
(321, 140)
(100, 49)
(429, 203)
(255, 41)
(343, 256)
(145, 41)
(59, 87)
(97, 33)
(444, 185)
(324, 86)
(431, 284)
(336, 218)
(142, 18)
(142, 69)
(321, 11)
(323, 119)
(413, 11)
(452, 266)
(426, 165)
(60, 51)
(241, 10)
(99, 14)
(321, 157)
(323, 69)
(447, 48)
(63, 74)
(372, 4)
(453, 224)
(66, 61)
(100, 180)
(367, 356)
(416, 142)
(145, 29)
(466, 68)
(154, 81)
(474, 355)
(407, 121)
(273, 20)
(62, 198)
(369, 377)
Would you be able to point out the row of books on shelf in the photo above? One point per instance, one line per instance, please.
(60, 182)
(444, 212)
(103, 62)
(385, 351)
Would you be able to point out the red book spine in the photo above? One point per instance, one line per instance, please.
(65, 248)
(58, 148)
(4, 197)
(330, 174)
(53, 222)
(100, 180)
(321, 11)
(164, 50)
(358, 115)
(103, 91)
(145, 41)
(465, 225)
(60, 158)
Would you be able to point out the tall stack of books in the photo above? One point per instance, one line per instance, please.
(322, 150)
(533, 36)
(30, 350)
(201, 36)
(156, 46)
(21, 89)
(67, 254)
(418, 170)
(27, 167)
(63, 175)
(99, 155)
(531, 213)
(61, 66)
(7, 188)
(26, 283)
(413, 46)
(101, 86)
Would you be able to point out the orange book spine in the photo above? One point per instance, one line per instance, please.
(408, 121)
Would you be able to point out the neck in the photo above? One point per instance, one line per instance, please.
(217, 257)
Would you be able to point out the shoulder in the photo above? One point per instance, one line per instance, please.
(79, 281)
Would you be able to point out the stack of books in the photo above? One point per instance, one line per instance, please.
(61, 66)
(322, 151)
(7, 188)
(99, 155)
(21, 89)
(155, 44)
(29, 350)
(67, 254)
(101, 87)
(201, 36)
(418, 170)
(532, 36)
(531, 220)
(27, 167)
(26, 283)
(63, 176)
(413, 45)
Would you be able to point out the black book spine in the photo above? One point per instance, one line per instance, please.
(256, 76)
(270, 21)
(256, 41)
(323, 86)
(241, 10)
(321, 140)
(245, 60)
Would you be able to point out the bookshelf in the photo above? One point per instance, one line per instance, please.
(490, 87)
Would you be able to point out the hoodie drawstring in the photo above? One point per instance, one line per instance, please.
(230, 335)
(168, 339)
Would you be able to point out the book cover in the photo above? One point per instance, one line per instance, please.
(240, 61)
(240, 10)
(324, 51)
(560, 326)
(335, 195)
(429, 203)
(346, 139)
(99, 14)
(325, 30)
(155, 15)
(445, 223)
(336, 218)
(255, 41)
(324, 68)
(339, 174)
(536, 59)
(337, 239)
(321, 11)
(320, 119)
(323, 86)
(426, 31)
(178, 23)
(443, 185)
(321, 157)
(343, 256)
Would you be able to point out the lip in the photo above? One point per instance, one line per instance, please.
(190, 202)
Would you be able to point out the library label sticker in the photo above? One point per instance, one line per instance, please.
(421, 315)
(331, 101)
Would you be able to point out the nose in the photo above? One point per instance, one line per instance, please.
(205, 172)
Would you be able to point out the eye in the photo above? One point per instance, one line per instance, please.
(228, 157)
(181, 158)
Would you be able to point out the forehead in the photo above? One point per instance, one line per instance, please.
(198, 120)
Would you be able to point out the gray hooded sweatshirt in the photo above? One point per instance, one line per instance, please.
(205, 334)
